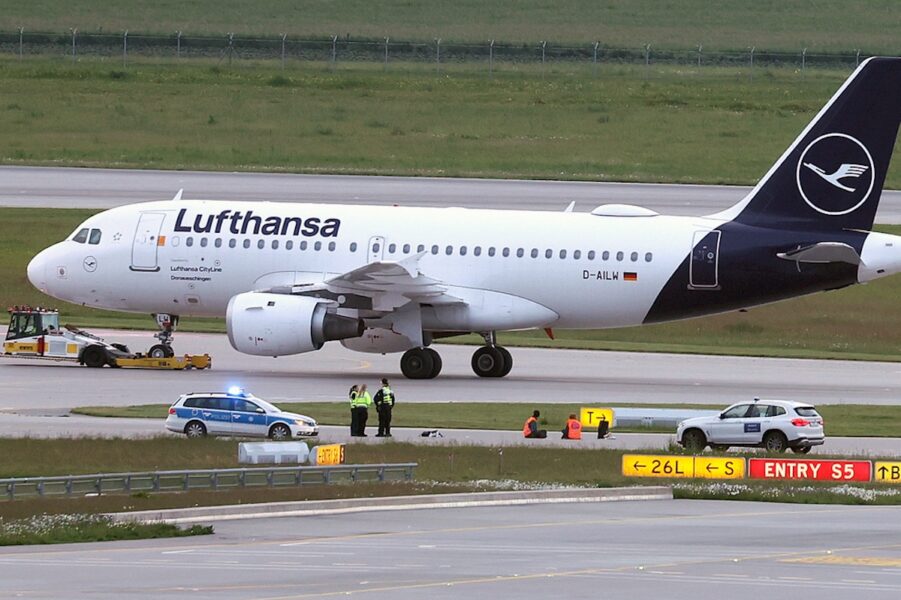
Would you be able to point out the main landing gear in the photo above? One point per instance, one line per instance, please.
(420, 363)
(490, 360)
(167, 324)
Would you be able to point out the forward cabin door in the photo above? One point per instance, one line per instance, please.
(147, 242)
(705, 260)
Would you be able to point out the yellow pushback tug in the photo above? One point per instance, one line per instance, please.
(34, 332)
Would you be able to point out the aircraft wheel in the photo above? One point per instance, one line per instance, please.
(508, 360)
(161, 351)
(489, 361)
(417, 363)
(436, 363)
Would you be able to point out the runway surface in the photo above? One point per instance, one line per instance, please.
(695, 550)
(105, 188)
(601, 378)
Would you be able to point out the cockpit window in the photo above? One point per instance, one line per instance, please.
(95, 237)
(81, 237)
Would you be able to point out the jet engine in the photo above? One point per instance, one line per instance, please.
(267, 324)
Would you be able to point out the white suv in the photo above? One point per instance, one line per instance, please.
(775, 425)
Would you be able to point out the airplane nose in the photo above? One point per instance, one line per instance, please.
(37, 271)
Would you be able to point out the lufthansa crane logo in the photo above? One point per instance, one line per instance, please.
(835, 174)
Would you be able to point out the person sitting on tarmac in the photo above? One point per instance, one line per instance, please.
(573, 428)
(530, 428)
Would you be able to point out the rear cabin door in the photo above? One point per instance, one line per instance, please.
(147, 242)
(705, 258)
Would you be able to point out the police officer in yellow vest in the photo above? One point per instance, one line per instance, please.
(361, 404)
(384, 403)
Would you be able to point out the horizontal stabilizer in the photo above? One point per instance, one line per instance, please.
(823, 252)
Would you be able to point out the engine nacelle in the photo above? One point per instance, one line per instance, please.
(266, 324)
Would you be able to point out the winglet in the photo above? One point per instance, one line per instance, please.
(177, 196)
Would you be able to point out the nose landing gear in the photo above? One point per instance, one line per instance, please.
(167, 324)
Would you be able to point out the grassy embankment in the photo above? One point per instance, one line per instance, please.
(860, 322)
(731, 25)
(841, 419)
(713, 125)
(74, 528)
(441, 469)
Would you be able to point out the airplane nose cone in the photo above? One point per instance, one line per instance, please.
(37, 271)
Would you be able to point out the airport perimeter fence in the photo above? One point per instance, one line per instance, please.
(205, 479)
(489, 56)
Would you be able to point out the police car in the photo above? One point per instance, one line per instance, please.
(235, 413)
(774, 425)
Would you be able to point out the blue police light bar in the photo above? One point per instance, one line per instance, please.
(235, 391)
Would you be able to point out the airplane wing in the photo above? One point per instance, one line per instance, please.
(388, 284)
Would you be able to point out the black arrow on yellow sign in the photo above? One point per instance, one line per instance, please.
(638, 465)
(710, 468)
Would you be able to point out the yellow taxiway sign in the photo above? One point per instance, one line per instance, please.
(646, 465)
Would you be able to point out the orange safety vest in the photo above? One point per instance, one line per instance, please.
(526, 430)
(573, 429)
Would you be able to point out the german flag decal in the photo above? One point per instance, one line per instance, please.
(630, 276)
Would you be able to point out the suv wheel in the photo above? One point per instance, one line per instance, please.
(694, 441)
(775, 441)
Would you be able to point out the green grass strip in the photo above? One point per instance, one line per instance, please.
(74, 528)
(844, 420)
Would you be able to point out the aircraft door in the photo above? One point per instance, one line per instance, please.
(705, 257)
(376, 248)
(147, 241)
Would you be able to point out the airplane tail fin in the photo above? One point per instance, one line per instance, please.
(831, 177)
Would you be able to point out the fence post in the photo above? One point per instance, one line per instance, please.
(596, 44)
(856, 60)
(700, 47)
(491, 60)
(437, 56)
(543, 46)
(803, 59)
(74, 51)
(753, 48)
(386, 53)
(284, 35)
(334, 50)
(125, 48)
(178, 44)
(22, 32)
(231, 47)
(647, 60)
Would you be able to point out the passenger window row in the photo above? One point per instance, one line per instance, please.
(435, 249)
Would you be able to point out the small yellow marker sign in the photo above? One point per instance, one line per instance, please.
(887, 472)
(645, 465)
(719, 468)
(328, 454)
(590, 417)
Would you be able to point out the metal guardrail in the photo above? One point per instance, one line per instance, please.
(204, 479)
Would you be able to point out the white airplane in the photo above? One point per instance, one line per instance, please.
(290, 277)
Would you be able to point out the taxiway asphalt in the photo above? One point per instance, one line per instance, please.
(696, 550)
(57, 187)
(545, 375)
